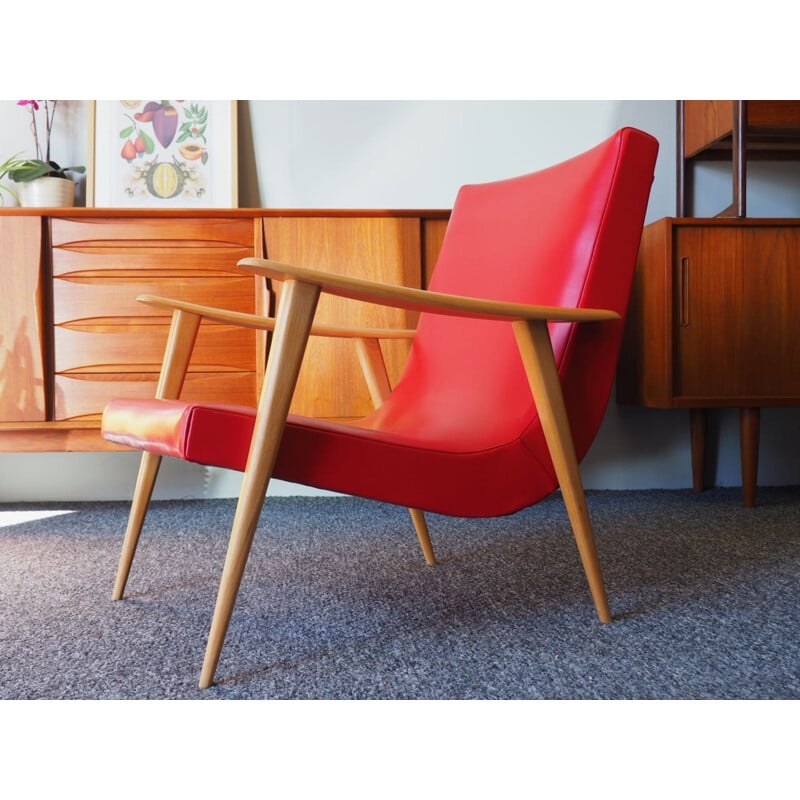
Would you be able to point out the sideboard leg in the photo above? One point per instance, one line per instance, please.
(749, 431)
(698, 420)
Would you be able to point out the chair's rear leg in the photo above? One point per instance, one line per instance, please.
(537, 355)
(373, 366)
(148, 470)
(421, 527)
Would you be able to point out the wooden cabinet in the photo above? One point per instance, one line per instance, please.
(736, 131)
(714, 321)
(72, 334)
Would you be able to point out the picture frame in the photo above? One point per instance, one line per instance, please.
(163, 154)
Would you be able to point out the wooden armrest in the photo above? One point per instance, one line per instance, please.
(243, 320)
(421, 299)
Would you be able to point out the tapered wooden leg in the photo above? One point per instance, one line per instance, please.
(698, 425)
(373, 366)
(180, 342)
(421, 527)
(749, 434)
(148, 470)
(537, 355)
(295, 315)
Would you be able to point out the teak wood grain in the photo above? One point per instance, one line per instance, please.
(713, 316)
(22, 364)
(734, 130)
(72, 333)
(711, 123)
(714, 322)
(331, 382)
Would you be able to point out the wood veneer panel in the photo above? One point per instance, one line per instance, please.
(382, 249)
(706, 121)
(79, 395)
(433, 231)
(108, 348)
(153, 260)
(22, 393)
(736, 341)
(644, 375)
(771, 326)
(77, 298)
(769, 123)
(108, 344)
(53, 437)
(70, 231)
(773, 113)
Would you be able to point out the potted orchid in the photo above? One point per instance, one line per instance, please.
(42, 181)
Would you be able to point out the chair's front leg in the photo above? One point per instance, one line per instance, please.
(295, 315)
(536, 350)
(180, 343)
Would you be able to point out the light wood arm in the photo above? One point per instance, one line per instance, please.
(243, 320)
(421, 299)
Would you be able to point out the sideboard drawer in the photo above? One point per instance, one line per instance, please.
(73, 232)
(106, 343)
(149, 260)
(86, 394)
(116, 348)
(106, 298)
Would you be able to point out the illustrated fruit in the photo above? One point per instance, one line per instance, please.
(165, 123)
(129, 151)
(164, 117)
(139, 145)
(164, 180)
(146, 115)
(191, 152)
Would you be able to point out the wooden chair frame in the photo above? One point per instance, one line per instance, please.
(291, 328)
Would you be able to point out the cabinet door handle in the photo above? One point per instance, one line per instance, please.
(683, 293)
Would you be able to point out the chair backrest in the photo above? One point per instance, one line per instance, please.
(564, 236)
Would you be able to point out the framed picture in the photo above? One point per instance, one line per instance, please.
(163, 154)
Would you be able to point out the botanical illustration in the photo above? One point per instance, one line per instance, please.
(164, 153)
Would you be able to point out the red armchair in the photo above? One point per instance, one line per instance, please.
(505, 386)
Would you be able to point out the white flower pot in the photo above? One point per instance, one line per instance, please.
(47, 192)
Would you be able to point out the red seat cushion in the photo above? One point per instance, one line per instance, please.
(353, 459)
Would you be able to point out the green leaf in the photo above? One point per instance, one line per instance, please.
(126, 132)
(30, 171)
(149, 145)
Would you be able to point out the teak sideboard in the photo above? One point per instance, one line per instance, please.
(714, 321)
(72, 334)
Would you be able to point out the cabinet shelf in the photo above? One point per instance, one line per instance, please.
(737, 131)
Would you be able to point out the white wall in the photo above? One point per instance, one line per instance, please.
(415, 154)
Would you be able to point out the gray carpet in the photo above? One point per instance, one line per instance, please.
(337, 602)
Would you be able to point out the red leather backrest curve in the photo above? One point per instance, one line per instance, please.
(564, 236)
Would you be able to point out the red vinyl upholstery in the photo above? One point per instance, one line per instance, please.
(460, 434)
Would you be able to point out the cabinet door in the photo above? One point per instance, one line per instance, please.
(22, 394)
(737, 315)
(107, 344)
(331, 384)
